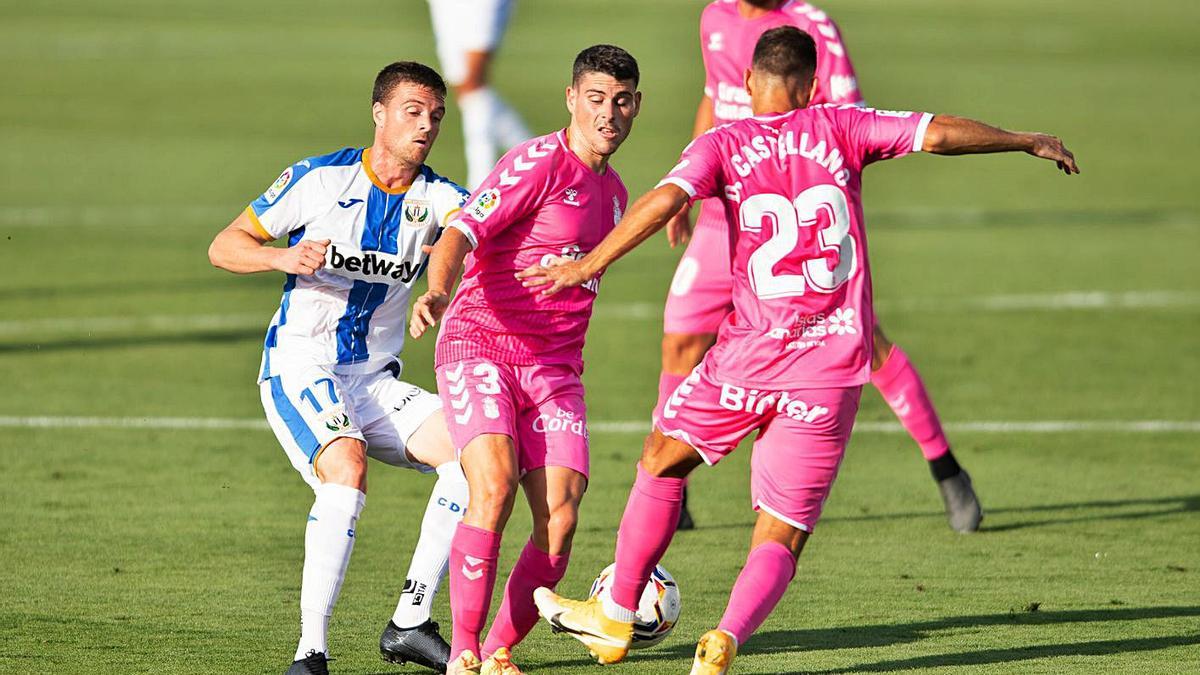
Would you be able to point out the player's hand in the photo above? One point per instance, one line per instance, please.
(426, 312)
(679, 227)
(559, 274)
(1052, 148)
(304, 258)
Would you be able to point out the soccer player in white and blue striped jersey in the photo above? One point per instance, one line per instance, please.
(358, 223)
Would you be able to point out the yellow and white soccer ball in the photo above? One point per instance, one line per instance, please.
(658, 608)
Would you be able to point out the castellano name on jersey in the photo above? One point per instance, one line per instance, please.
(352, 314)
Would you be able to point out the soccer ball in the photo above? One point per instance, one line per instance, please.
(658, 609)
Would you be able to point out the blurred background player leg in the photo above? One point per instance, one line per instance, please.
(901, 387)
(468, 32)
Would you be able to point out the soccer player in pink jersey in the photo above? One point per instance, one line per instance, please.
(509, 360)
(700, 296)
(790, 361)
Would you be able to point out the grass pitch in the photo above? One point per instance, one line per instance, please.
(134, 130)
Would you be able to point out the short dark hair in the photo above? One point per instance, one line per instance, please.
(406, 71)
(785, 52)
(606, 59)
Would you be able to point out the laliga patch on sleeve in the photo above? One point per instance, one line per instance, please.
(486, 202)
(279, 186)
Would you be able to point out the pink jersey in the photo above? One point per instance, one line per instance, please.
(727, 43)
(540, 203)
(791, 186)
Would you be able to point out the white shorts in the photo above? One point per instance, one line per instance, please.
(310, 407)
(462, 26)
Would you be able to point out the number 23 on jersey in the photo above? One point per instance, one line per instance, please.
(786, 217)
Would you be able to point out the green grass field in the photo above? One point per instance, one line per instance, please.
(133, 130)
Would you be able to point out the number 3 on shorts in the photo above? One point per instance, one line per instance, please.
(789, 217)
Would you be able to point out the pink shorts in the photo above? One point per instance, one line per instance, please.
(802, 436)
(702, 290)
(540, 407)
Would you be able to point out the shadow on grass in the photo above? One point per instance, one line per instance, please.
(123, 341)
(886, 635)
(1168, 506)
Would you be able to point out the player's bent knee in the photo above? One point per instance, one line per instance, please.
(492, 500)
(663, 456)
(681, 352)
(344, 462)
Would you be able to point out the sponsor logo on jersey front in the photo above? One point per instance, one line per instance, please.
(370, 266)
(279, 186)
(485, 203)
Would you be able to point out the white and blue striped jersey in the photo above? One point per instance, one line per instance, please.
(352, 314)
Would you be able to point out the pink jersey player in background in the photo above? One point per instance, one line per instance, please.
(699, 297)
(789, 362)
(509, 360)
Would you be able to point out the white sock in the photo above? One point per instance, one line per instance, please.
(614, 611)
(431, 559)
(328, 541)
(507, 126)
(478, 112)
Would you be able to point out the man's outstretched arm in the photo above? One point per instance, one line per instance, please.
(647, 216)
(948, 135)
(445, 263)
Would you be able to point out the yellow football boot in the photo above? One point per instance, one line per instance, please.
(608, 640)
(500, 663)
(466, 664)
(714, 653)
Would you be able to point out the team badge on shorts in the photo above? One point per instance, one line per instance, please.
(336, 419)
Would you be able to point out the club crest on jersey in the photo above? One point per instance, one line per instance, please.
(616, 210)
(279, 185)
(486, 202)
(416, 212)
(716, 42)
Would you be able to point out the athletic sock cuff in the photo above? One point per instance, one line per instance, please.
(659, 487)
(477, 541)
(340, 498)
(774, 549)
(451, 471)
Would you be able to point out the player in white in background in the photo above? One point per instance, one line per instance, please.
(468, 32)
(357, 223)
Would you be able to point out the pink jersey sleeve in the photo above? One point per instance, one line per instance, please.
(698, 172)
(514, 188)
(708, 26)
(872, 135)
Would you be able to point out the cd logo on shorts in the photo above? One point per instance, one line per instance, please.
(484, 204)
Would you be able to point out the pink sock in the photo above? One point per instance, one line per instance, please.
(667, 383)
(473, 556)
(904, 391)
(646, 530)
(518, 615)
(769, 568)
